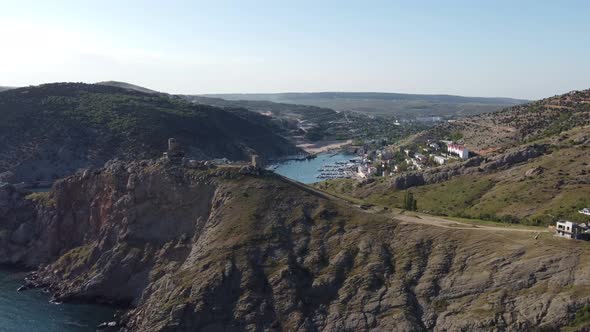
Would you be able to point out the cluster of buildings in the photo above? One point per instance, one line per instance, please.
(386, 161)
(436, 153)
(365, 170)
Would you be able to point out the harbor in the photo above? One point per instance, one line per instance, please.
(339, 169)
(325, 166)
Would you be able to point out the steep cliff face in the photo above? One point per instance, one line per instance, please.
(218, 250)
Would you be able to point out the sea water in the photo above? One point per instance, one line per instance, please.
(307, 171)
(31, 311)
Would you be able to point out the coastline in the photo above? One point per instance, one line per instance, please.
(33, 310)
(323, 146)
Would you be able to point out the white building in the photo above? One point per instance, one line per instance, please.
(459, 150)
(585, 211)
(364, 172)
(420, 157)
(571, 230)
(440, 160)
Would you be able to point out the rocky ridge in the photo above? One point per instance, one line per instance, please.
(474, 165)
(214, 250)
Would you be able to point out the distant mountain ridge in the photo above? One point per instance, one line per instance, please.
(52, 130)
(387, 104)
(441, 98)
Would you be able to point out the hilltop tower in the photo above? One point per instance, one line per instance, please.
(257, 161)
(174, 153)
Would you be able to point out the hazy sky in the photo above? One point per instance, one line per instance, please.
(517, 48)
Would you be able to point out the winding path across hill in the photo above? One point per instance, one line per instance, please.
(446, 223)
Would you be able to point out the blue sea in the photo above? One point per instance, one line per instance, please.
(31, 311)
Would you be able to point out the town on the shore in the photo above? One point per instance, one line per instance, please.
(373, 160)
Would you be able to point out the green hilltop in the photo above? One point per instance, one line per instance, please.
(52, 130)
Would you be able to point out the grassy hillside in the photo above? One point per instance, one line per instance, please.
(552, 186)
(51, 130)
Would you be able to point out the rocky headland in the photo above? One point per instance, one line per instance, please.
(232, 249)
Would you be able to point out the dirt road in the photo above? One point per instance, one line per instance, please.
(446, 223)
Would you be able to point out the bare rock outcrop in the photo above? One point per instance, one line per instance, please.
(514, 157)
(471, 166)
(535, 171)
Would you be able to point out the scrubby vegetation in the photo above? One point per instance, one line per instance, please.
(581, 322)
(76, 125)
(42, 197)
(512, 126)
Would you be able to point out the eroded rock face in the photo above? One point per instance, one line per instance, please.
(535, 171)
(514, 157)
(216, 250)
(408, 180)
(16, 223)
(470, 166)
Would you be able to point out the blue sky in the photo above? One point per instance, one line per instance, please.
(522, 49)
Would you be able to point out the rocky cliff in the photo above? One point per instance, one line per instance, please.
(472, 166)
(220, 250)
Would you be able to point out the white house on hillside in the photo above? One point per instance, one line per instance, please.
(571, 230)
(459, 150)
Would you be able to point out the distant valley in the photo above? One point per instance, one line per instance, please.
(386, 104)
